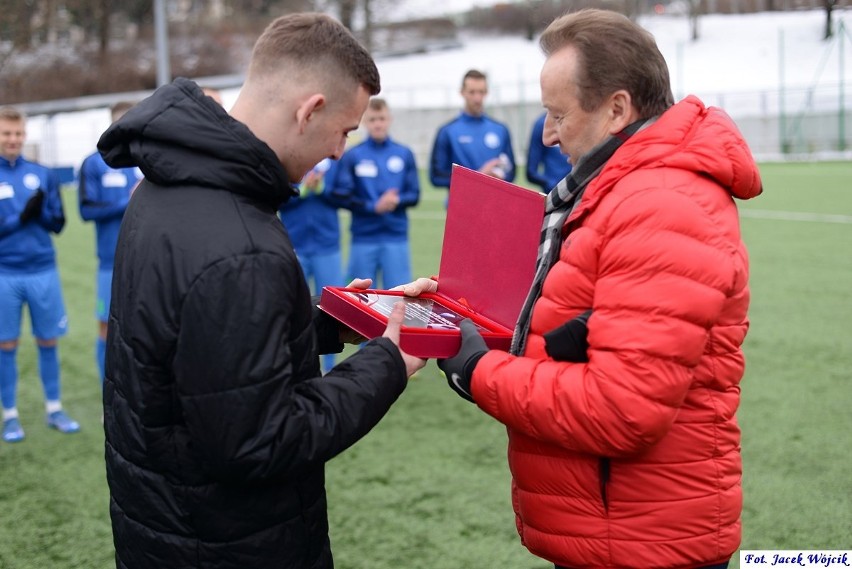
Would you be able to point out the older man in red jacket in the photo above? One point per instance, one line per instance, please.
(620, 391)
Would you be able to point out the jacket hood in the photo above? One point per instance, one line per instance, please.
(691, 137)
(179, 137)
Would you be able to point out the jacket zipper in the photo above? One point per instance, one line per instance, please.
(603, 473)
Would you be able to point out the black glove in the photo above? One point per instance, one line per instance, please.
(32, 209)
(459, 368)
(569, 342)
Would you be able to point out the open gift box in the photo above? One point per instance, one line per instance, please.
(488, 256)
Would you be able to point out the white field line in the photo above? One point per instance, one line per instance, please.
(795, 216)
(749, 213)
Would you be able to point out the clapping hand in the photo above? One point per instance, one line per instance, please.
(32, 209)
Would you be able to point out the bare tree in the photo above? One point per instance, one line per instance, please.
(16, 18)
(347, 12)
(829, 8)
(695, 9)
(104, 14)
(368, 24)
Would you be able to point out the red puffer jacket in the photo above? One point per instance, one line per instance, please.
(633, 459)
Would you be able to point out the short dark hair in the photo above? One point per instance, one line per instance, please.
(315, 40)
(473, 74)
(615, 53)
(377, 104)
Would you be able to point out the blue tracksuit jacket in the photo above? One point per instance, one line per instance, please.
(365, 172)
(28, 248)
(471, 142)
(311, 219)
(546, 165)
(103, 194)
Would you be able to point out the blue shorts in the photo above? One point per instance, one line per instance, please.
(325, 269)
(391, 259)
(42, 293)
(104, 292)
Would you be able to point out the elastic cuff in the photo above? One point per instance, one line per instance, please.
(394, 351)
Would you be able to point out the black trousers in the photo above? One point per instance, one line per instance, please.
(719, 566)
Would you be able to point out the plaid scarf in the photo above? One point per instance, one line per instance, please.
(560, 202)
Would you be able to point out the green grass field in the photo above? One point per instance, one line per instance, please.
(429, 487)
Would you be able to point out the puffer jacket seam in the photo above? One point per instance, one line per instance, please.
(715, 430)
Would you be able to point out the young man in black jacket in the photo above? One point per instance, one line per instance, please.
(218, 421)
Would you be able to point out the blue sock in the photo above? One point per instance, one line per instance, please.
(48, 365)
(100, 355)
(8, 378)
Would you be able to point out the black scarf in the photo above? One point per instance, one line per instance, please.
(560, 202)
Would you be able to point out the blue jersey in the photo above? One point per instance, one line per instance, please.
(366, 172)
(28, 247)
(311, 218)
(103, 194)
(546, 165)
(471, 142)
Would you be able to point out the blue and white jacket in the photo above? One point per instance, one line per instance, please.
(103, 194)
(311, 218)
(28, 248)
(470, 142)
(546, 165)
(368, 170)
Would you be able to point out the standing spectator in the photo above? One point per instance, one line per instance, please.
(314, 230)
(103, 195)
(473, 139)
(378, 181)
(30, 210)
(620, 391)
(546, 165)
(218, 422)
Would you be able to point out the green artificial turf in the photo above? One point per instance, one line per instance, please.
(429, 487)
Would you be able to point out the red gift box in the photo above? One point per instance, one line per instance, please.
(491, 239)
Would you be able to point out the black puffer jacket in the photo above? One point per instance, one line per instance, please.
(217, 421)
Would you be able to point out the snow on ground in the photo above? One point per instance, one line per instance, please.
(737, 60)
(734, 53)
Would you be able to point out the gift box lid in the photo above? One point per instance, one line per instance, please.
(491, 240)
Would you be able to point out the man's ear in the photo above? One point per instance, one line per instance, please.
(621, 111)
(305, 111)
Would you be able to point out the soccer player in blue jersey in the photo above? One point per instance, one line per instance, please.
(377, 181)
(546, 165)
(472, 139)
(103, 194)
(314, 229)
(30, 210)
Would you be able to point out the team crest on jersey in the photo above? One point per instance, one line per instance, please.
(32, 182)
(395, 164)
(492, 140)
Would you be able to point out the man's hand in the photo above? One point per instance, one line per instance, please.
(569, 342)
(313, 181)
(32, 209)
(388, 201)
(346, 334)
(459, 368)
(412, 363)
(418, 287)
(492, 168)
(360, 283)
